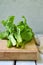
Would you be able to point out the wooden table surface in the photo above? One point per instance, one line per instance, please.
(28, 53)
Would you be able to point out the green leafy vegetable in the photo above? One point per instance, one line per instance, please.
(17, 35)
(26, 31)
(4, 35)
(9, 24)
(11, 38)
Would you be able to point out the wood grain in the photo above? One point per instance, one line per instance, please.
(28, 53)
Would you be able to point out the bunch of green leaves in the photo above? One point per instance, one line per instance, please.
(17, 35)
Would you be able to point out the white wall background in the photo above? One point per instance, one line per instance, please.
(32, 9)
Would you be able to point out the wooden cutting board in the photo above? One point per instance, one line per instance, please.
(28, 53)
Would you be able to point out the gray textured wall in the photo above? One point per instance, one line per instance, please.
(32, 9)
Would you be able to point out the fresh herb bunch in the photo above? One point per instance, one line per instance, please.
(17, 35)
